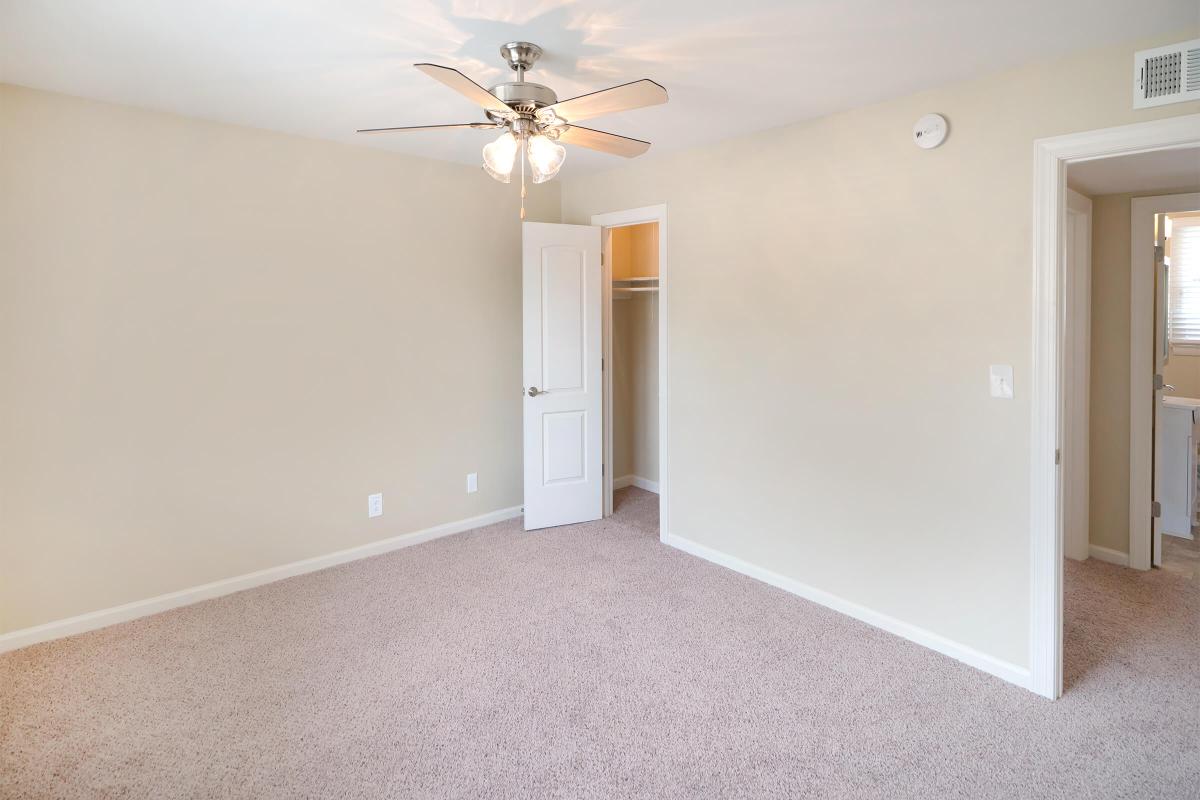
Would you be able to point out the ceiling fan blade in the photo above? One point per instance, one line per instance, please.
(466, 87)
(608, 101)
(604, 142)
(479, 125)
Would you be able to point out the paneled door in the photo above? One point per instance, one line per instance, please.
(563, 395)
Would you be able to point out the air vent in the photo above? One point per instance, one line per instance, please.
(1165, 75)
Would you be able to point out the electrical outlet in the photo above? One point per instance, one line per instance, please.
(472, 482)
(375, 505)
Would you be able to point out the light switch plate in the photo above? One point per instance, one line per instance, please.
(1001, 381)
(472, 482)
(375, 505)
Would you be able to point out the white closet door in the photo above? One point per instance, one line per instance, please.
(562, 377)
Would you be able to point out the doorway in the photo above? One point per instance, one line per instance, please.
(570, 357)
(635, 353)
(1053, 366)
(632, 363)
(1126, 460)
(1176, 416)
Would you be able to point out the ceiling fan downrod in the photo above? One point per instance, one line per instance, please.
(522, 96)
(520, 56)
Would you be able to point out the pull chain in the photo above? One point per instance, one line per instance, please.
(521, 155)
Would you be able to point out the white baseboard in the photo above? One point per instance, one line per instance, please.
(1106, 554)
(635, 480)
(994, 666)
(165, 602)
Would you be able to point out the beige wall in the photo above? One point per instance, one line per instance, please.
(1183, 372)
(1109, 409)
(1108, 446)
(621, 246)
(635, 251)
(799, 256)
(216, 341)
(635, 387)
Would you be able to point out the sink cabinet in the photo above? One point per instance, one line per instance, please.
(1175, 464)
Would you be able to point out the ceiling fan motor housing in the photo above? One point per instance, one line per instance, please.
(523, 96)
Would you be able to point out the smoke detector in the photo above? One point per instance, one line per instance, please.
(930, 131)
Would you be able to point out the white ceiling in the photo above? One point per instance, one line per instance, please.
(322, 68)
(1144, 172)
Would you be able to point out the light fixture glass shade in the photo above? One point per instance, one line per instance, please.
(546, 157)
(499, 157)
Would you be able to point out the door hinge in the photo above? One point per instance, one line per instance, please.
(601, 470)
(1160, 255)
(1156, 509)
(602, 258)
(602, 365)
(1058, 456)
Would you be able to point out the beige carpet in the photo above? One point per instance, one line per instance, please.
(592, 662)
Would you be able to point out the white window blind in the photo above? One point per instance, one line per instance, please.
(1183, 304)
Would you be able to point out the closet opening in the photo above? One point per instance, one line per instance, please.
(634, 354)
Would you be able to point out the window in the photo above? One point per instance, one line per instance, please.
(1183, 305)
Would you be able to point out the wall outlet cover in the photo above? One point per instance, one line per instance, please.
(375, 505)
(472, 482)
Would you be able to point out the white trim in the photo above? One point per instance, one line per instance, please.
(636, 480)
(1141, 365)
(614, 219)
(1108, 555)
(606, 357)
(994, 666)
(1077, 276)
(164, 602)
(1051, 157)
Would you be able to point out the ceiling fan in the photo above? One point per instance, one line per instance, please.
(535, 121)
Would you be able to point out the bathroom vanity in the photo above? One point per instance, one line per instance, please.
(1175, 464)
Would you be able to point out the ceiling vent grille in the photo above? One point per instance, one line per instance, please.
(1165, 75)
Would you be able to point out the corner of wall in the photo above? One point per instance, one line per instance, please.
(544, 203)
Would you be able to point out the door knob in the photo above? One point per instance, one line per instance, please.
(533, 391)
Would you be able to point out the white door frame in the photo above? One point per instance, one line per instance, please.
(1141, 365)
(620, 219)
(1051, 157)
(1077, 336)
